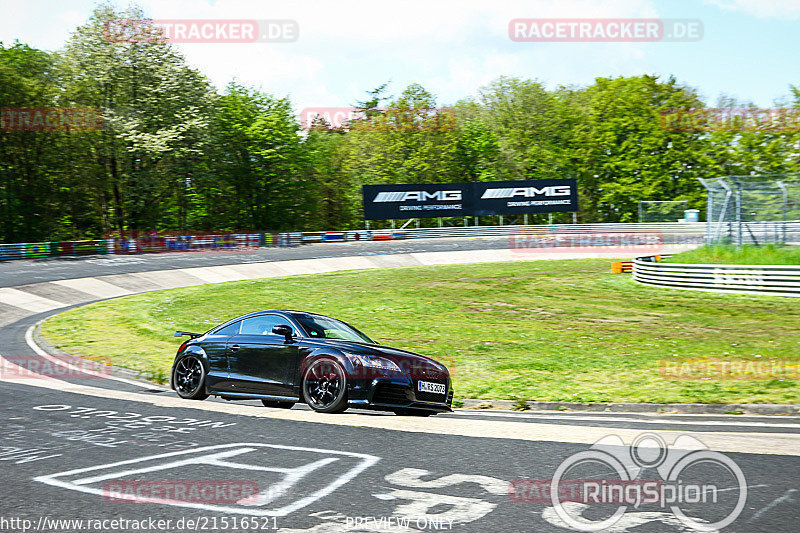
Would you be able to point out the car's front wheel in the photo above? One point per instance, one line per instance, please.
(189, 378)
(325, 386)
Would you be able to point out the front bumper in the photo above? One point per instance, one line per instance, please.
(400, 393)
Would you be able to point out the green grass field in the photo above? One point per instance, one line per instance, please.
(539, 330)
(768, 254)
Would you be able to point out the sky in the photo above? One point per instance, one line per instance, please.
(749, 48)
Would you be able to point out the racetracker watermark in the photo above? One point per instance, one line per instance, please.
(691, 478)
(611, 30)
(50, 119)
(626, 242)
(770, 120)
(368, 367)
(379, 119)
(711, 368)
(50, 367)
(181, 491)
(201, 31)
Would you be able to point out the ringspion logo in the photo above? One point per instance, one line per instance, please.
(684, 483)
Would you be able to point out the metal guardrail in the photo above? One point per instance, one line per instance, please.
(671, 231)
(144, 245)
(663, 232)
(776, 280)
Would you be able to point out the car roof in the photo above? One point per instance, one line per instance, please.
(289, 312)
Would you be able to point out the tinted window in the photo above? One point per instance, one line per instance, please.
(230, 329)
(329, 328)
(262, 325)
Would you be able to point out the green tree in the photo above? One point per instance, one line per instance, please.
(156, 112)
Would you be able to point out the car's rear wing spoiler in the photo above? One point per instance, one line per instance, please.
(187, 333)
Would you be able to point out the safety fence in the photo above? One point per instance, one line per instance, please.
(664, 233)
(184, 243)
(776, 280)
(143, 245)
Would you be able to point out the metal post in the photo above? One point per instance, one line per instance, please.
(501, 220)
(477, 221)
(417, 223)
(549, 218)
(525, 219)
(709, 208)
(728, 195)
(465, 222)
(738, 212)
(393, 226)
(784, 209)
(574, 217)
(367, 225)
(440, 222)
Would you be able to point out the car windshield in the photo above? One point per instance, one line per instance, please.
(329, 328)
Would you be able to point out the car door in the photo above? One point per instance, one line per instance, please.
(261, 362)
(215, 346)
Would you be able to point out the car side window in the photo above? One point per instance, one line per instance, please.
(262, 325)
(230, 329)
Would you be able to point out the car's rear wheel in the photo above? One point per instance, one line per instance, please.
(413, 412)
(325, 386)
(277, 404)
(189, 378)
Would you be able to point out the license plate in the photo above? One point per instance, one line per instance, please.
(435, 388)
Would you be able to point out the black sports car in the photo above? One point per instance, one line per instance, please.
(285, 357)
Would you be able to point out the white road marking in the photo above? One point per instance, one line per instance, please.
(198, 456)
(787, 496)
(741, 442)
(604, 418)
(759, 443)
(93, 286)
(461, 509)
(410, 477)
(27, 301)
(41, 353)
(628, 521)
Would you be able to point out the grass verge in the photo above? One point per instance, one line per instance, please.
(768, 254)
(540, 330)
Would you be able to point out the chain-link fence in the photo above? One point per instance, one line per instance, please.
(752, 209)
(662, 211)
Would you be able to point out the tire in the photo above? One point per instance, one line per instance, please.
(325, 386)
(189, 378)
(413, 412)
(277, 404)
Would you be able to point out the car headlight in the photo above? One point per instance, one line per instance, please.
(372, 361)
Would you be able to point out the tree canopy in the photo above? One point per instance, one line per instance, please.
(174, 154)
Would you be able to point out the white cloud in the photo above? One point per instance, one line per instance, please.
(348, 47)
(762, 8)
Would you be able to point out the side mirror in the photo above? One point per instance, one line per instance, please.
(284, 330)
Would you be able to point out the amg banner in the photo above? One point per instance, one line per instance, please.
(431, 200)
(520, 197)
